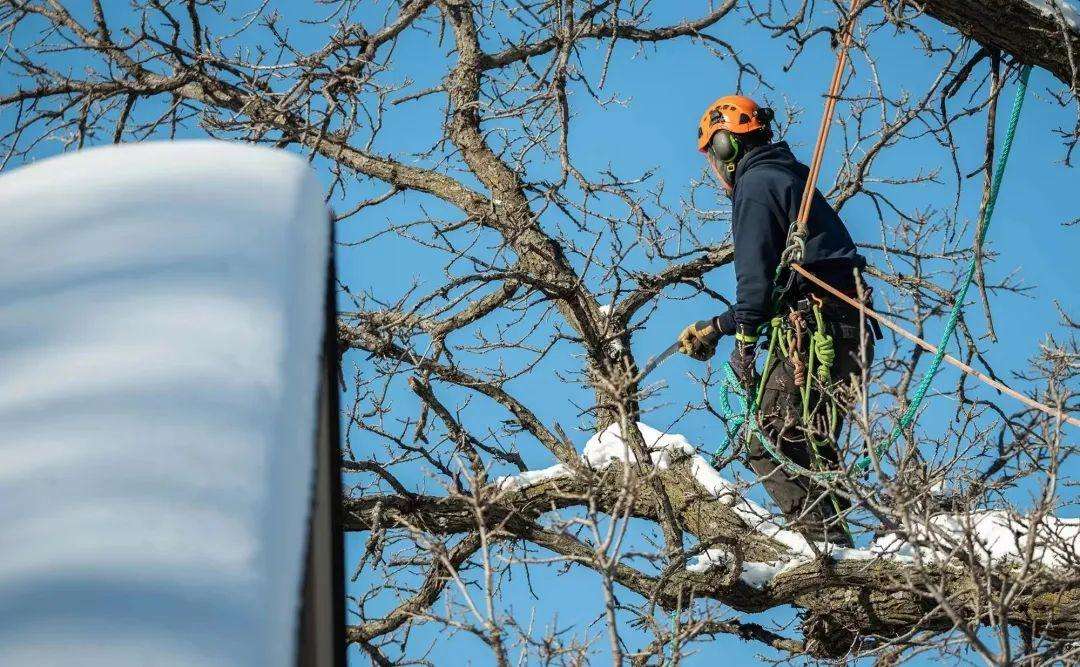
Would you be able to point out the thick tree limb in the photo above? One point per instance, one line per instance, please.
(860, 597)
(1014, 26)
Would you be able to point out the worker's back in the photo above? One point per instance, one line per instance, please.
(770, 176)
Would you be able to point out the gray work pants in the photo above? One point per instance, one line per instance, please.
(807, 505)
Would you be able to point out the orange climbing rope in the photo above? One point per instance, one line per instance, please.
(826, 121)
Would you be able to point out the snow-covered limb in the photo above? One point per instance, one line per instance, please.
(854, 585)
(1031, 30)
(753, 573)
(1001, 537)
(608, 447)
(530, 477)
(998, 537)
(754, 563)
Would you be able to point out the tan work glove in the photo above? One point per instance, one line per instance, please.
(699, 340)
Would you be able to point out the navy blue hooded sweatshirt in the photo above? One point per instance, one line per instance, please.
(769, 182)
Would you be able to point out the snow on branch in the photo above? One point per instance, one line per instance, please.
(997, 537)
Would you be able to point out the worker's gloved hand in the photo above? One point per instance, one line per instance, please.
(699, 339)
(742, 362)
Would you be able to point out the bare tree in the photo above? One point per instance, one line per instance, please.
(543, 259)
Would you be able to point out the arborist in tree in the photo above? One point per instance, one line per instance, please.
(801, 407)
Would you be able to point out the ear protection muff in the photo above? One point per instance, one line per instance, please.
(723, 153)
(724, 146)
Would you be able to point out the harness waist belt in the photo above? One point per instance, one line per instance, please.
(841, 320)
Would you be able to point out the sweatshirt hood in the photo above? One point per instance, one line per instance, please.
(775, 155)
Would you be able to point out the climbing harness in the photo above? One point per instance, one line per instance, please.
(782, 343)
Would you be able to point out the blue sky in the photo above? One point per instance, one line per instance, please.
(665, 91)
(662, 93)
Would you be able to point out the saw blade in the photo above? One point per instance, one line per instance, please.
(651, 365)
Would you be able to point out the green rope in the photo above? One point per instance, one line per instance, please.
(954, 316)
(822, 345)
(746, 418)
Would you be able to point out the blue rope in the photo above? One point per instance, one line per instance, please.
(745, 417)
(954, 316)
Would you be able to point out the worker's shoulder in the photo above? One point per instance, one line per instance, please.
(767, 184)
(770, 175)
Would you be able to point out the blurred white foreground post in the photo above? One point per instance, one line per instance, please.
(166, 377)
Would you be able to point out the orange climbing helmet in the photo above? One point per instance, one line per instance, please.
(734, 113)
